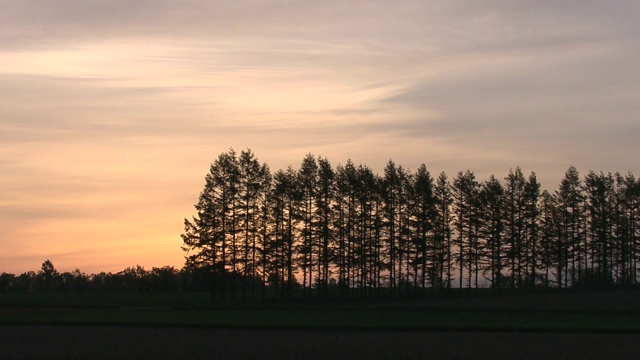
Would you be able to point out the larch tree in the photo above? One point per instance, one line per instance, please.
(253, 230)
(286, 203)
(532, 231)
(492, 229)
(515, 224)
(307, 180)
(551, 250)
(570, 202)
(423, 218)
(442, 230)
(600, 203)
(394, 201)
(627, 228)
(324, 200)
(465, 190)
(212, 233)
(344, 210)
(250, 183)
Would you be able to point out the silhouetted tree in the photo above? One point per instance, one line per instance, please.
(393, 201)
(324, 201)
(423, 217)
(531, 214)
(286, 199)
(251, 181)
(213, 232)
(48, 276)
(307, 179)
(600, 204)
(404, 230)
(466, 221)
(492, 199)
(515, 218)
(165, 278)
(7, 282)
(366, 254)
(570, 201)
(552, 249)
(344, 223)
(627, 228)
(442, 230)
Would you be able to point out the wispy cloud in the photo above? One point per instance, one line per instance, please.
(111, 111)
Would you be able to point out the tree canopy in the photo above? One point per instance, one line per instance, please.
(364, 234)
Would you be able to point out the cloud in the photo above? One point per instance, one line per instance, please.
(123, 104)
(414, 24)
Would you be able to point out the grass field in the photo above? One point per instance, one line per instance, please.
(552, 325)
(139, 342)
(613, 311)
(357, 319)
(105, 300)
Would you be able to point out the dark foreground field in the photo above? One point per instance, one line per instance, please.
(553, 325)
(92, 342)
(598, 311)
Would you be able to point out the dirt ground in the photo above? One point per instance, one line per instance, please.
(88, 342)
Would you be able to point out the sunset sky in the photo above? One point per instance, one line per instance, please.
(111, 111)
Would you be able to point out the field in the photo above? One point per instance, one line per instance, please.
(612, 311)
(83, 342)
(170, 325)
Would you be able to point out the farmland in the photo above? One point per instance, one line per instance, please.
(175, 325)
(179, 343)
(586, 311)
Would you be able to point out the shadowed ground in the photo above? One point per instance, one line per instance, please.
(68, 342)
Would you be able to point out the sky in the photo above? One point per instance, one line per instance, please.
(112, 111)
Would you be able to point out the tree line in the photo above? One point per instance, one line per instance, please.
(131, 279)
(319, 230)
